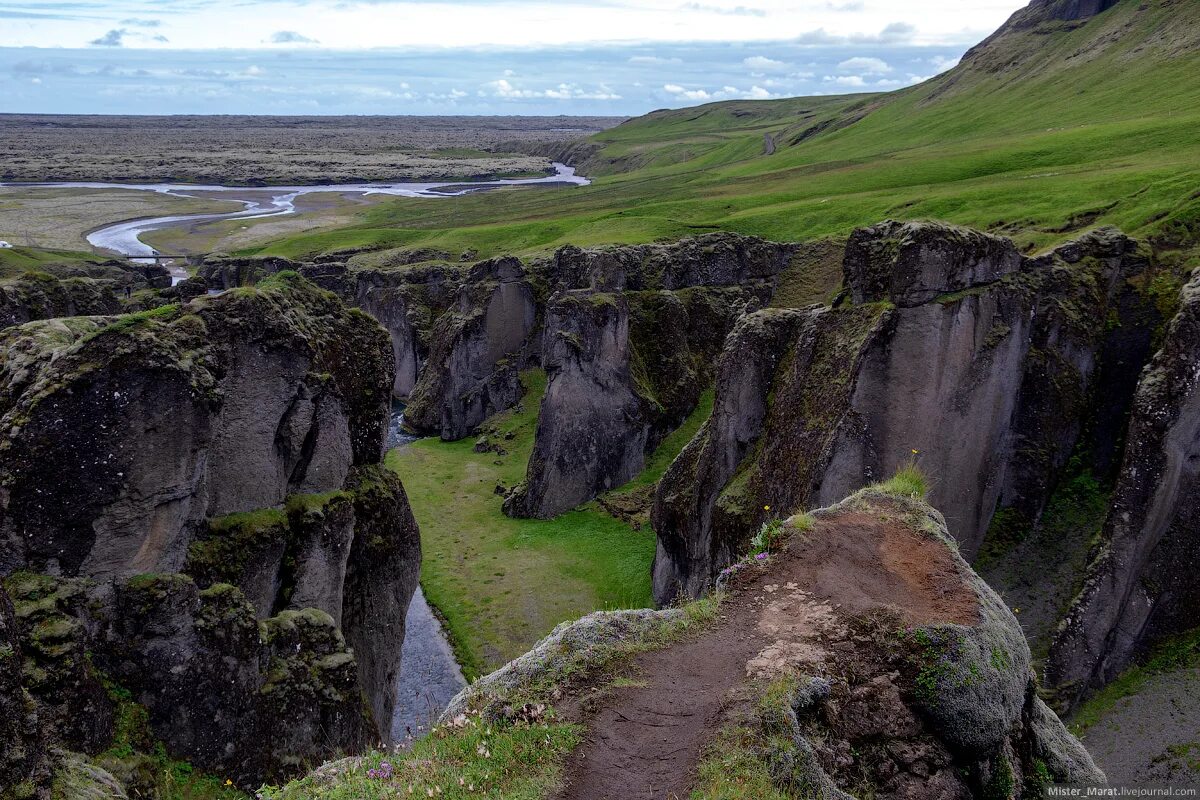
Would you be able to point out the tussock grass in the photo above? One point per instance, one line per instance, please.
(909, 481)
(513, 761)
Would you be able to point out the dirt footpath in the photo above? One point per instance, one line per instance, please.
(644, 740)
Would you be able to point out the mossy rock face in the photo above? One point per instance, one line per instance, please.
(39, 296)
(477, 348)
(57, 638)
(25, 769)
(910, 263)
(991, 368)
(227, 404)
(214, 681)
(352, 554)
(1142, 577)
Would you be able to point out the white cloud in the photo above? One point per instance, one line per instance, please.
(846, 80)
(654, 60)
(865, 64)
(762, 63)
(291, 37)
(686, 94)
(502, 88)
(735, 11)
(724, 93)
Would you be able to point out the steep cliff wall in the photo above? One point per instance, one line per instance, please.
(226, 545)
(1142, 583)
(478, 348)
(629, 344)
(993, 369)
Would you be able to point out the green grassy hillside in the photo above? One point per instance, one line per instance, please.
(1045, 129)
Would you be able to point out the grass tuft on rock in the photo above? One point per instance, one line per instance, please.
(909, 481)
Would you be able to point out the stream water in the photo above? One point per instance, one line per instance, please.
(124, 238)
(429, 674)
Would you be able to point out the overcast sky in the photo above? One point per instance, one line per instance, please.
(471, 57)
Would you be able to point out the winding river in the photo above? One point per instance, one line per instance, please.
(124, 238)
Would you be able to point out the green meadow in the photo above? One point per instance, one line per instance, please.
(1087, 126)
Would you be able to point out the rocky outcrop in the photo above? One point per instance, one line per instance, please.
(1142, 584)
(716, 259)
(226, 272)
(593, 424)
(206, 678)
(228, 550)
(228, 404)
(403, 293)
(476, 353)
(950, 345)
(628, 356)
(862, 657)
(34, 297)
(914, 677)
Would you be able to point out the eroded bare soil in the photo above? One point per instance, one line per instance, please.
(644, 739)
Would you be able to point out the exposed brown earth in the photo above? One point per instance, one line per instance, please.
(644, 740)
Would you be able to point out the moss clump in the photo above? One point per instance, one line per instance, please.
(139, 320)
(932, 651)
(313, 504)
(1000, 784)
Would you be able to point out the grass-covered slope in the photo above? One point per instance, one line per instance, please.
(1048, 127)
